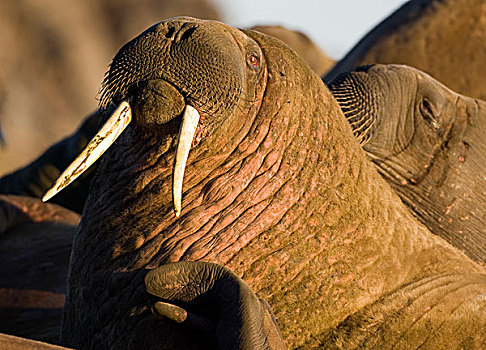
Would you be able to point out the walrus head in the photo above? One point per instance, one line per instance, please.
(428, 142)
(159, 87)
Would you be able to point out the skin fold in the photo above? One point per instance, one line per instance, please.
(275, 188)
(427, 142)
(429, 35)
(35, 248)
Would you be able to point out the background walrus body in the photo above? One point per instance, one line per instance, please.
(35, 245)
(444, 38)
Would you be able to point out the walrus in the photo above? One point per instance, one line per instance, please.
(427, 142)
(268, 181)
(368, 87)
(443, 38)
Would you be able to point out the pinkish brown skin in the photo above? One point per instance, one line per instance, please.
(279, 191)
(18, 210)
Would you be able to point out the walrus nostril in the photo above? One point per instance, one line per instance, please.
(185, 32)
(170, 32)
(166, 29)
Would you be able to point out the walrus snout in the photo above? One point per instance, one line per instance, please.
(156, 102)
(199, 59)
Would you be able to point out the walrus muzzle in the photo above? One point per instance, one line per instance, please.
(107, 135)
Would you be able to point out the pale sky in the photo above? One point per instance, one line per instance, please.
(335, 25)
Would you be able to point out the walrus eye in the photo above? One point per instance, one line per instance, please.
(253, 61)
(428, 113)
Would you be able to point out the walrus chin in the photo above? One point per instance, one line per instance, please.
(107, 135)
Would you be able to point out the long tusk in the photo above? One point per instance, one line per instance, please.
(189, 123)
(107, 135)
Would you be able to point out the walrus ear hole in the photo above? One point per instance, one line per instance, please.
(253, 61)
(427, 112)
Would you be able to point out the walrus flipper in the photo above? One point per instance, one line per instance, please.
(232, 311)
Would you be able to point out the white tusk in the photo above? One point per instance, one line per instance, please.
(189, 123)
(107, 135)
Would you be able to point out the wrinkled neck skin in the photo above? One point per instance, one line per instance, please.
(281, 194)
